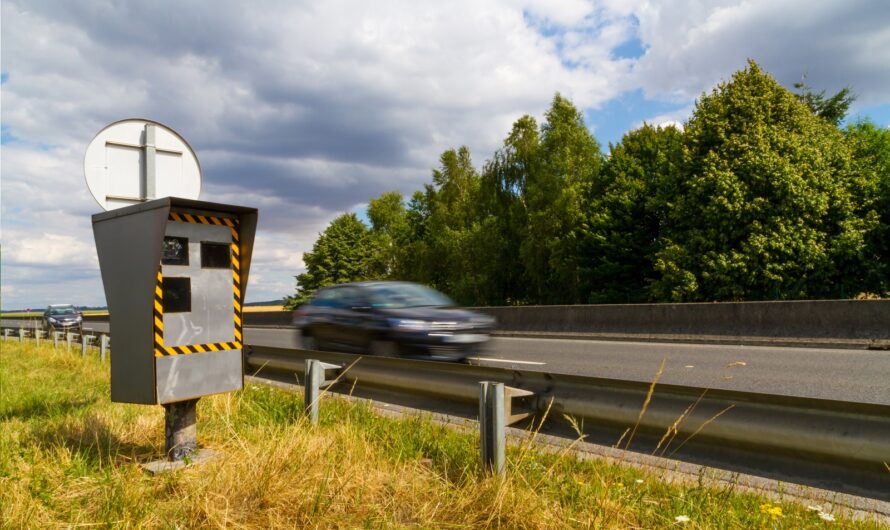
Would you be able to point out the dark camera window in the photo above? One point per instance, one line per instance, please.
(177, 295)
(175, 251)
(215, 255)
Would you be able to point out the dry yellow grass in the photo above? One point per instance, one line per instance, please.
(255, 308)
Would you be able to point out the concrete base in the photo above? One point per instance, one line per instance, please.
(158, 467)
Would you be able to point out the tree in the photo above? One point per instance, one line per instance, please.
(456, 250)
(389, 234)
(761, 208)
(870, 186)
(834, 108)
(628, 208)
(568, 160)
(341, 254)
(504, 211)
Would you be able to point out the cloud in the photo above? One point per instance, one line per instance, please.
(308, 109)
(694, 45)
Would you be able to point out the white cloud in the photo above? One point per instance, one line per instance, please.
(50, 249)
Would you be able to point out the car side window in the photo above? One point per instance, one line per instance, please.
(350, 297)
(325, 298)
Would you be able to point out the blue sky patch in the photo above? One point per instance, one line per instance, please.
(6, 135)
(620, 114)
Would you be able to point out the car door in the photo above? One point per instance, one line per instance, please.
(349, 324)
(320, 315)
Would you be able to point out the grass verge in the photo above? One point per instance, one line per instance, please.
(68, 457)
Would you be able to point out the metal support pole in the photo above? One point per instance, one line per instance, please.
(103, 347)
(180, 429)
(314, 382)
(492, 432)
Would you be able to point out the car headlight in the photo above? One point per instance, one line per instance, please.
(52, 320)
(408, 324)
(79, 318)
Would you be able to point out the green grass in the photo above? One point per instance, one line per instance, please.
(68, 457)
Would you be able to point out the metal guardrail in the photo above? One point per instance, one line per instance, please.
(68, 338)
(845, 444)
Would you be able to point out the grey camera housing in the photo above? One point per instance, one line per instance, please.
(188, 343)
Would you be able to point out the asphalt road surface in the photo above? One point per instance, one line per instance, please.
(861, 376)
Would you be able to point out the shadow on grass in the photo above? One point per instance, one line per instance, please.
(93, 442)
(36, 409)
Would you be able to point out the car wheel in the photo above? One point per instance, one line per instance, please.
(309, 343)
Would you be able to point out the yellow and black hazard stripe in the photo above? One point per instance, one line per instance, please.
(160, 348)
(158, 313)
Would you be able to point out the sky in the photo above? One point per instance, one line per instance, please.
(306, 110)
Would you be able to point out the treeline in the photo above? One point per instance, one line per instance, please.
(759, 196)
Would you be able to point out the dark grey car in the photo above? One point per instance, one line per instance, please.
(391, 319)
(62, 317)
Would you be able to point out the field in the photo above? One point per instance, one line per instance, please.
(69, 457)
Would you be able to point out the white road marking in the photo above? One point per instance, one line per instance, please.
(504, 360)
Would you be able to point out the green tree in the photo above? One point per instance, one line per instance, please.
(342, 253)
(390, 233)
(762, 209)
(456, 249)
(504, 211)
(833, 108)
(870, 186)
(568, 161)
(628, 208)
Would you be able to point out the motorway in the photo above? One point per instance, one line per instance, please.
(861, 376)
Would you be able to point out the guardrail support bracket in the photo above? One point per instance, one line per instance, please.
(495, 413)
(314, 382)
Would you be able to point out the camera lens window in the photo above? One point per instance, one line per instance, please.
(175, 251)
(177, 295)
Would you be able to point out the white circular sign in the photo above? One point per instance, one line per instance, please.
(136, 160)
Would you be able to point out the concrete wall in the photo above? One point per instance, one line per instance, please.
(847, 319)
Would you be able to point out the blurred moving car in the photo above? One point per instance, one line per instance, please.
(62, 317)
(391, 319)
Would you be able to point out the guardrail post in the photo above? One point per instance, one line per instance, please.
(492, 434)
(37, 334)
(68, 338)
(56, 335)
(84, 340)
(103, 347)
(180, 429)
(6, 334)
(495, 413)
(21, 334)
(313, 384)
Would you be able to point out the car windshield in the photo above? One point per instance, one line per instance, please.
(402, 295)
(62, 311)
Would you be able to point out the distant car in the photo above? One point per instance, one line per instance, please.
(391, 319)
(62, 317)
